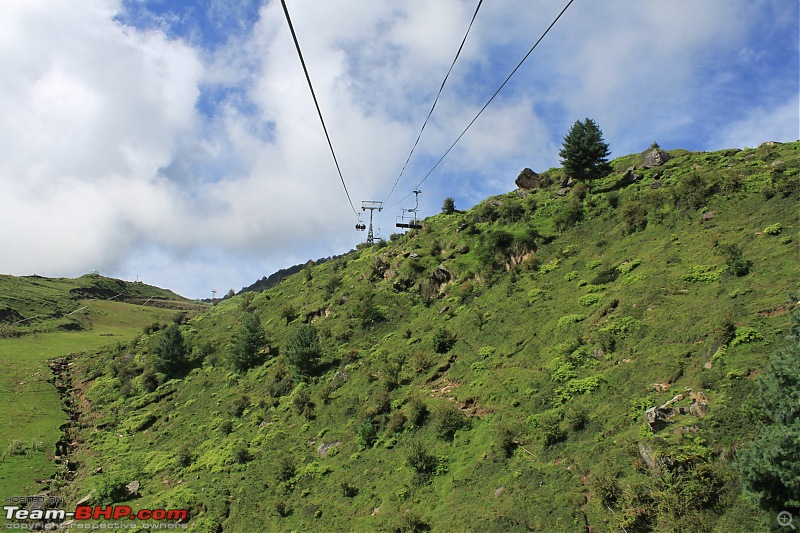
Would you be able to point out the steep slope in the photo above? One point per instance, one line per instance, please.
(490, 372)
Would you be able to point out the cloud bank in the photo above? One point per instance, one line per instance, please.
(183, 146)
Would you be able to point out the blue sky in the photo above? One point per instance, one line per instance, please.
(177, 141)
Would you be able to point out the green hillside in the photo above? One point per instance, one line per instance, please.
(490, 372)
(42, 319)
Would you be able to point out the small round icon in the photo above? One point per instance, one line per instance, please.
(785, 519)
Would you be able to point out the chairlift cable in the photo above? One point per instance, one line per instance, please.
(490, 99)
(319, 112)
(436, 100)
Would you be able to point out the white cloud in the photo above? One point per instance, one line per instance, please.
(779, 123)
(112, 154)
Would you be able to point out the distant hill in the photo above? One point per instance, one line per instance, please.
(36, 303)
(553, 359)
(273, 279)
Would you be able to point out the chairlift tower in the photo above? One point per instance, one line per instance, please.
(371, 206)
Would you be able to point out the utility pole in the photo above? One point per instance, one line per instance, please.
(371, 206)
(213, 294)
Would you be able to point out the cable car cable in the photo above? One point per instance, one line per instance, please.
(319, 112)
(464, 40)
(490, 99)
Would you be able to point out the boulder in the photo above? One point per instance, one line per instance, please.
(708, 215)
(655, 158)
(562, 192)
(647, 455)
(699, 409)
(326, 447)
(441, 275)
(133, 488)
(567, 181)
(528, 179)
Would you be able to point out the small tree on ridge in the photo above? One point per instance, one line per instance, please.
(584, 155)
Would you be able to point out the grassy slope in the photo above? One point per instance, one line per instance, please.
(31, 411)
(547, 354)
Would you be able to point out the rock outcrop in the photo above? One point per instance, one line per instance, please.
(528, 179)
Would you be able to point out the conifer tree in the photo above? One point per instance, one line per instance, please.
(584, 155)
(171, 352)
(245, 348)
(771, 464)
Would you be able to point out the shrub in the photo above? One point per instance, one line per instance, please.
(302, 403)
(420, 460)
(348, 490)
(396, 423)
(576, 417)
(110, 489)
(691, 193)
(634, 216)
(737, 264)
(569, 214)
(417, 410)
(590, 299)
(745, 335)
(570, 319)
(450, 419)
(286, 468)
(366, 434)
(703, 274)
(505, 439)
(494, 243)
(548, 426)
(511, 211)
(443, 340)
(773, 229)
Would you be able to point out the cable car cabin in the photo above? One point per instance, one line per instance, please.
(361, 226)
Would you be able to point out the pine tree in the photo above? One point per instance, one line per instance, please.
(245, 348)
(171, 351)
(771, 464)
(449, 206)
(303, 350)
(585, 154)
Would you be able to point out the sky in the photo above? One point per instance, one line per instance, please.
(176, 141)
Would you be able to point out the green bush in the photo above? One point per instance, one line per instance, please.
(450, 419)
(773, 229)
(568, 214)
(286, 468)
(110, 488)
(570, 319)
(443, 340)
(737, 264)
(548, 426)
(634, 216)
(366, 434)
(421, 460)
